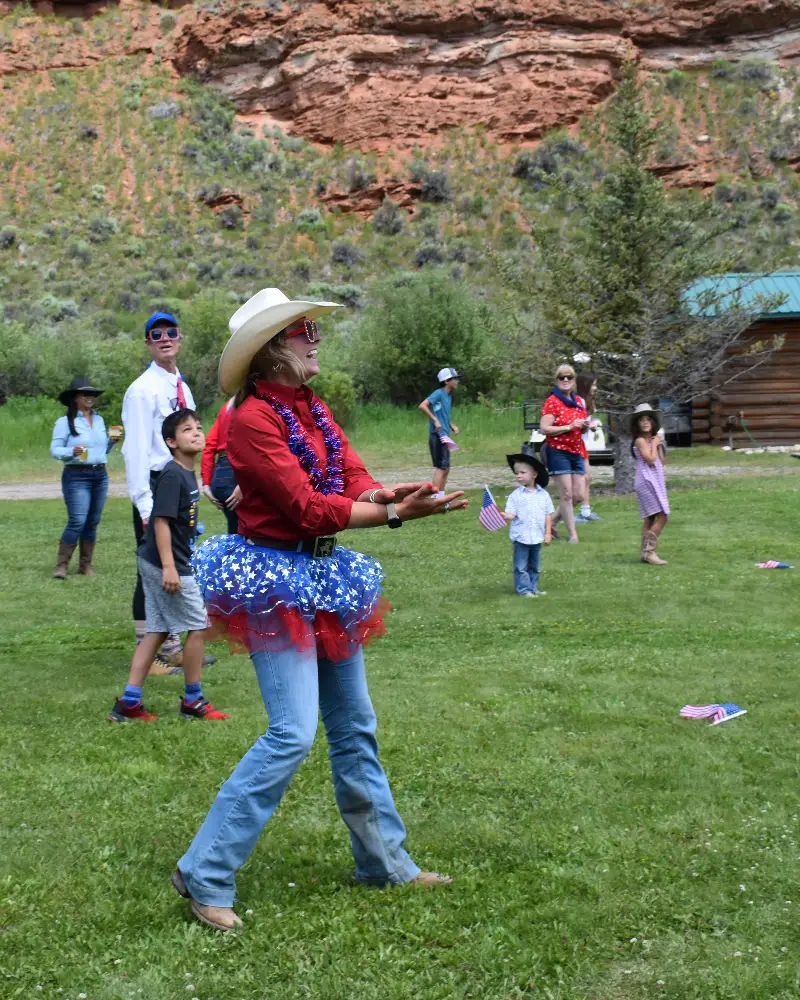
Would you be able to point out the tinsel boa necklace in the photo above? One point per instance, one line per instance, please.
(332, 480)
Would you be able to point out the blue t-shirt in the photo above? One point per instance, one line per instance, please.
(441, 403)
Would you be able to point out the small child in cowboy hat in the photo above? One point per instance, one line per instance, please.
(649, 483)
(528, 512)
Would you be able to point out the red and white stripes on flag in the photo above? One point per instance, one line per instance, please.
(718, 713)
(490, 516)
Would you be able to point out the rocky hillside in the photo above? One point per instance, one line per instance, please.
(377, 74)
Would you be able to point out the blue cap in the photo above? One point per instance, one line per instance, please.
(156, 318)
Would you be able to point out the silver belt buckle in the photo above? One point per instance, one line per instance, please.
(323, 547)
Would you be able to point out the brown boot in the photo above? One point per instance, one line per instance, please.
(64, 555)
(651, 541)
(87, 550)
(643, 548)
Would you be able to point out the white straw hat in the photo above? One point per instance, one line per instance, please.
(253, 324)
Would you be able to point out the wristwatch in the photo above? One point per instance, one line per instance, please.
(394, 518)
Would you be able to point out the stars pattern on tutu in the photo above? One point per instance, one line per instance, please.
(235, 574)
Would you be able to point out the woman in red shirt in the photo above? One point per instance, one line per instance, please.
(219, 480)
(563, 420)
(301, 604)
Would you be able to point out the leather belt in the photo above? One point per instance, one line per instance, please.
(85, 465)
(317, 548)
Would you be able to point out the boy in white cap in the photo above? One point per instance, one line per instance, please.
(437, 408)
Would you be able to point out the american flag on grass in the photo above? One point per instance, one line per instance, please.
(771, 564)
(719, 713)
(490, 516)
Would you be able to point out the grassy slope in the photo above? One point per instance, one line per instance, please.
(604, 848)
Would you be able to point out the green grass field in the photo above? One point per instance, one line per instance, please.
(603, 847)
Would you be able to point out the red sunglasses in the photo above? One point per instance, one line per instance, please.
(305, 327)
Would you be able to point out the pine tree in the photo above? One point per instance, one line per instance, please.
(610, 283)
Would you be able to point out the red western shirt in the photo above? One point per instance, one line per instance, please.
(216, 441)
(278, 500)
(563, 415)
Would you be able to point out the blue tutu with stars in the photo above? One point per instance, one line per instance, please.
(271, 599)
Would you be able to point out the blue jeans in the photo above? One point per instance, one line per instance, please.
(84, 489)
(526, 567)
(295, 686)
(223, 483)
(564, 463)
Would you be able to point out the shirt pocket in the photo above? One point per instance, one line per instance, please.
(167, 403)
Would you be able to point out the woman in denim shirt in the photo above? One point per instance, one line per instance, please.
(80, 441)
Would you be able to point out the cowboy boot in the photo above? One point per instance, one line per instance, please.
(64, 555)
(643, 548)
(650, 551)
(87, 549)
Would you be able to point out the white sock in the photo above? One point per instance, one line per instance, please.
(586, 510)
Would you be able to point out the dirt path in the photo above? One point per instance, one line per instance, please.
(465, 477)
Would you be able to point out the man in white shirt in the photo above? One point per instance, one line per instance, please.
(155, 394)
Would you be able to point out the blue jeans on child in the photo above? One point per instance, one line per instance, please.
(526, 567)
(296, 686)
(84, 489)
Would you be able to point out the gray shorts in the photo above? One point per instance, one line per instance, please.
(181, 612)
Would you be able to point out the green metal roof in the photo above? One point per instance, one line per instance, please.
(750, 291)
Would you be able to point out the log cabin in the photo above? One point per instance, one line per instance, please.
(766, 401)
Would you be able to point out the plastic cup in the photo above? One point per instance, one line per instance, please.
(84, 455)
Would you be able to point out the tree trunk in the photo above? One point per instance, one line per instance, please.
(624, 462)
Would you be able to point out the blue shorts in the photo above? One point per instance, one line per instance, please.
(564, 463)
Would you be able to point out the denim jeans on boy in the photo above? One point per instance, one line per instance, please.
(296, 686)
(223, 483)
(526, 567)
(84, 489)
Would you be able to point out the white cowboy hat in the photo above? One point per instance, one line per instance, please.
(253, 324)
(645, 410)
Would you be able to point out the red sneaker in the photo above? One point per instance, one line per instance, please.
(121, 712)
(200, 709)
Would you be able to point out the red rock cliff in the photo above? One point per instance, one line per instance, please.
(373, 74)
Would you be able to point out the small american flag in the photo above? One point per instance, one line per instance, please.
(771, 564)
(490, 516)
(447, 440)
(719, 713)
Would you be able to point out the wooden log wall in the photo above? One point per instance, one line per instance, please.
(768, 398)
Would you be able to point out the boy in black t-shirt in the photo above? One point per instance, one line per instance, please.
(172, 598)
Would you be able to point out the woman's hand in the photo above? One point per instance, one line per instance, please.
(210, 496)
(78, 448)
(234, 499)
(391, 494)
(420, 503)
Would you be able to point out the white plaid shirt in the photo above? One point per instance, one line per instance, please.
(530, 509)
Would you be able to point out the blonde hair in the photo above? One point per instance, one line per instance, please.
(273, 357)
(569, 370)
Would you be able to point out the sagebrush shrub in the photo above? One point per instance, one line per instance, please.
(389, 219)
(345, 253)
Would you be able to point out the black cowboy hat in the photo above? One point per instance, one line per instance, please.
(79, 385)
(529, 456)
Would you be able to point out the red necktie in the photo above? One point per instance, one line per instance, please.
(181, 395)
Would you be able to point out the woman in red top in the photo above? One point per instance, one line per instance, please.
(219, 480)
(563, 420)
(301, 604)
